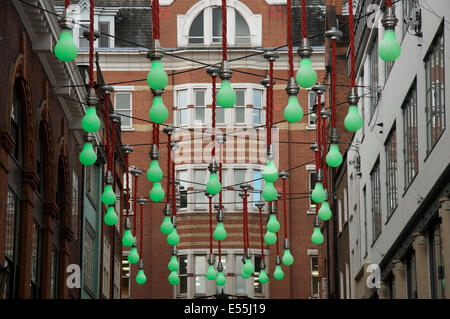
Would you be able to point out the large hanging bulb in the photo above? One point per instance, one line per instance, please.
(211, 273)
(173, 263)
(353, 121)
(278, 274)
(273, 225)
(293, 112)
(174, 279)
(318, 195)
(324, 211)
(111, 217)
(108, 196)
(306, 75)
(173, 238)
(157, 193)
(270, 238)
(317, 237)
(158, 112)
(226, 97)
(389, 49)
(213, 186)
(128, 238)
(270, 172)
(248, 267)
(157, 78)
(287, 259)
(263, 278)
(141, 278)
(269, 192)
(65, 49)
(245, 274)
(154, 172)
(88, 156)
(133, 256)
(91, 122)
(221, 280)
(166, 226)
(334, 157)
(220, 233)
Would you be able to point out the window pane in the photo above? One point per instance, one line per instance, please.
(314, 276)
(239, 178)
(240, 282)
(257, 116)
(123, 107)
(239, 114)
(220, 115)
(88, 262)
(224, 264)
(242, 30)
(104, 39)
(217, 25)
(199, 97)
(257, 187)
(258, 286)
(200, 114)
(240, 97)
(312, 184)
(257, 98)
(75, 205)
(182, 104)
(182, 271)
(200, 271)
(199, 179)
(196, 30)
(11, 223)
(312, 111)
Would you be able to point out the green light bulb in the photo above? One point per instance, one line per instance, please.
(158, 113)
(273, 225)
(245, 274)
(157, 78)
(389, 48)
(111, 217)
(270, 172)
(154, 172)
(263, 278)
(220, 233)
(353, 121)
(221, 280)
(334, 157)
(293, 112)
(213, 186)
(173, 278)
(88, 156)
(141, 278)
(108, 196)
(318, 195)
(317, 237)
(287, 259)
(279, 273)
(211, 273)
(133, 256)
(248, 266)
(306, 75)
(173, 238)
(166, 226)
(127, 239)
(270, 238)
(269, 192)
(157, 193)
(173, 263)
(226, 97)
(91, 122)
(325, 211)
(66, 49)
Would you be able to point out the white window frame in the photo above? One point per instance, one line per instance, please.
(204, 107)
(260, 109)
(123, 90)
(236, 107)
(310, 110)
(185, 108)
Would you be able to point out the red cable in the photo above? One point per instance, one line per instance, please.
(213, 137)
(91, 45)
(169, 139)
(135, 203)
(284, 208)
(108, 153)
(269, 129)
(67, 4)
(113, 141)
(155, 19)
(246, 219)
(210, 227)
(261, 232)
(333, 83)
(324, 162)
(318, 128)
(224, 30)
(278, 242)
(127, 196)
(290, 46)
(141, 241)
(388, 3)
(304, 33)
(352, 42)
(174, 203)
(243, 225)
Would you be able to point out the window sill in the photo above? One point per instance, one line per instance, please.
(310, 127)
(127, 129)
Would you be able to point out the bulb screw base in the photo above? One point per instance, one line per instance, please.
(154, 153)
(245, 187)
(292, 88)
(272, 208)
(286, 244)
(248, 255)
(213, 167)
(127, 224)
(91, 99)
(174, 251)
(219, 266)
(334, 33)
(108, 178)
(316, 221)
(389, 20)
(225, 71)
(211, 259)
(156, 53)
(167, 211)
(324, 113)
(353, 97)
(90, 137)
(334, 137)
(319, 176)
(277, 260)
(270, 153)
(304, 49)
(262, 264)
(314, 147)
(220, 216)
(141, 264)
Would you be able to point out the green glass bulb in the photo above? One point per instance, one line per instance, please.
(158, 113)
(141, 278)
(248, 266)
(273, 225)
(334, 157)
(157, 193)
(269, 192)
(226, 97)
(213, 186)
(317, 237)
(173, 263)
(293, 112)
(108, 196)
(66, 49)
(263, 278)
(166, 226)
(133, 256)
(157, 78)
(154, 172)
(278, 273)
(287, 259)
(325, 211)
(173, 238)
(211, 273)
(174, 279)
(306, 75)
(111, 217)
(318, 195)
(88, 156)
(221, 280)
(220, 233)
(353, 121)
(245, 274)
(270, 238)
(389, 49)
(91, 122)
(127, 239)
(270, 172)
